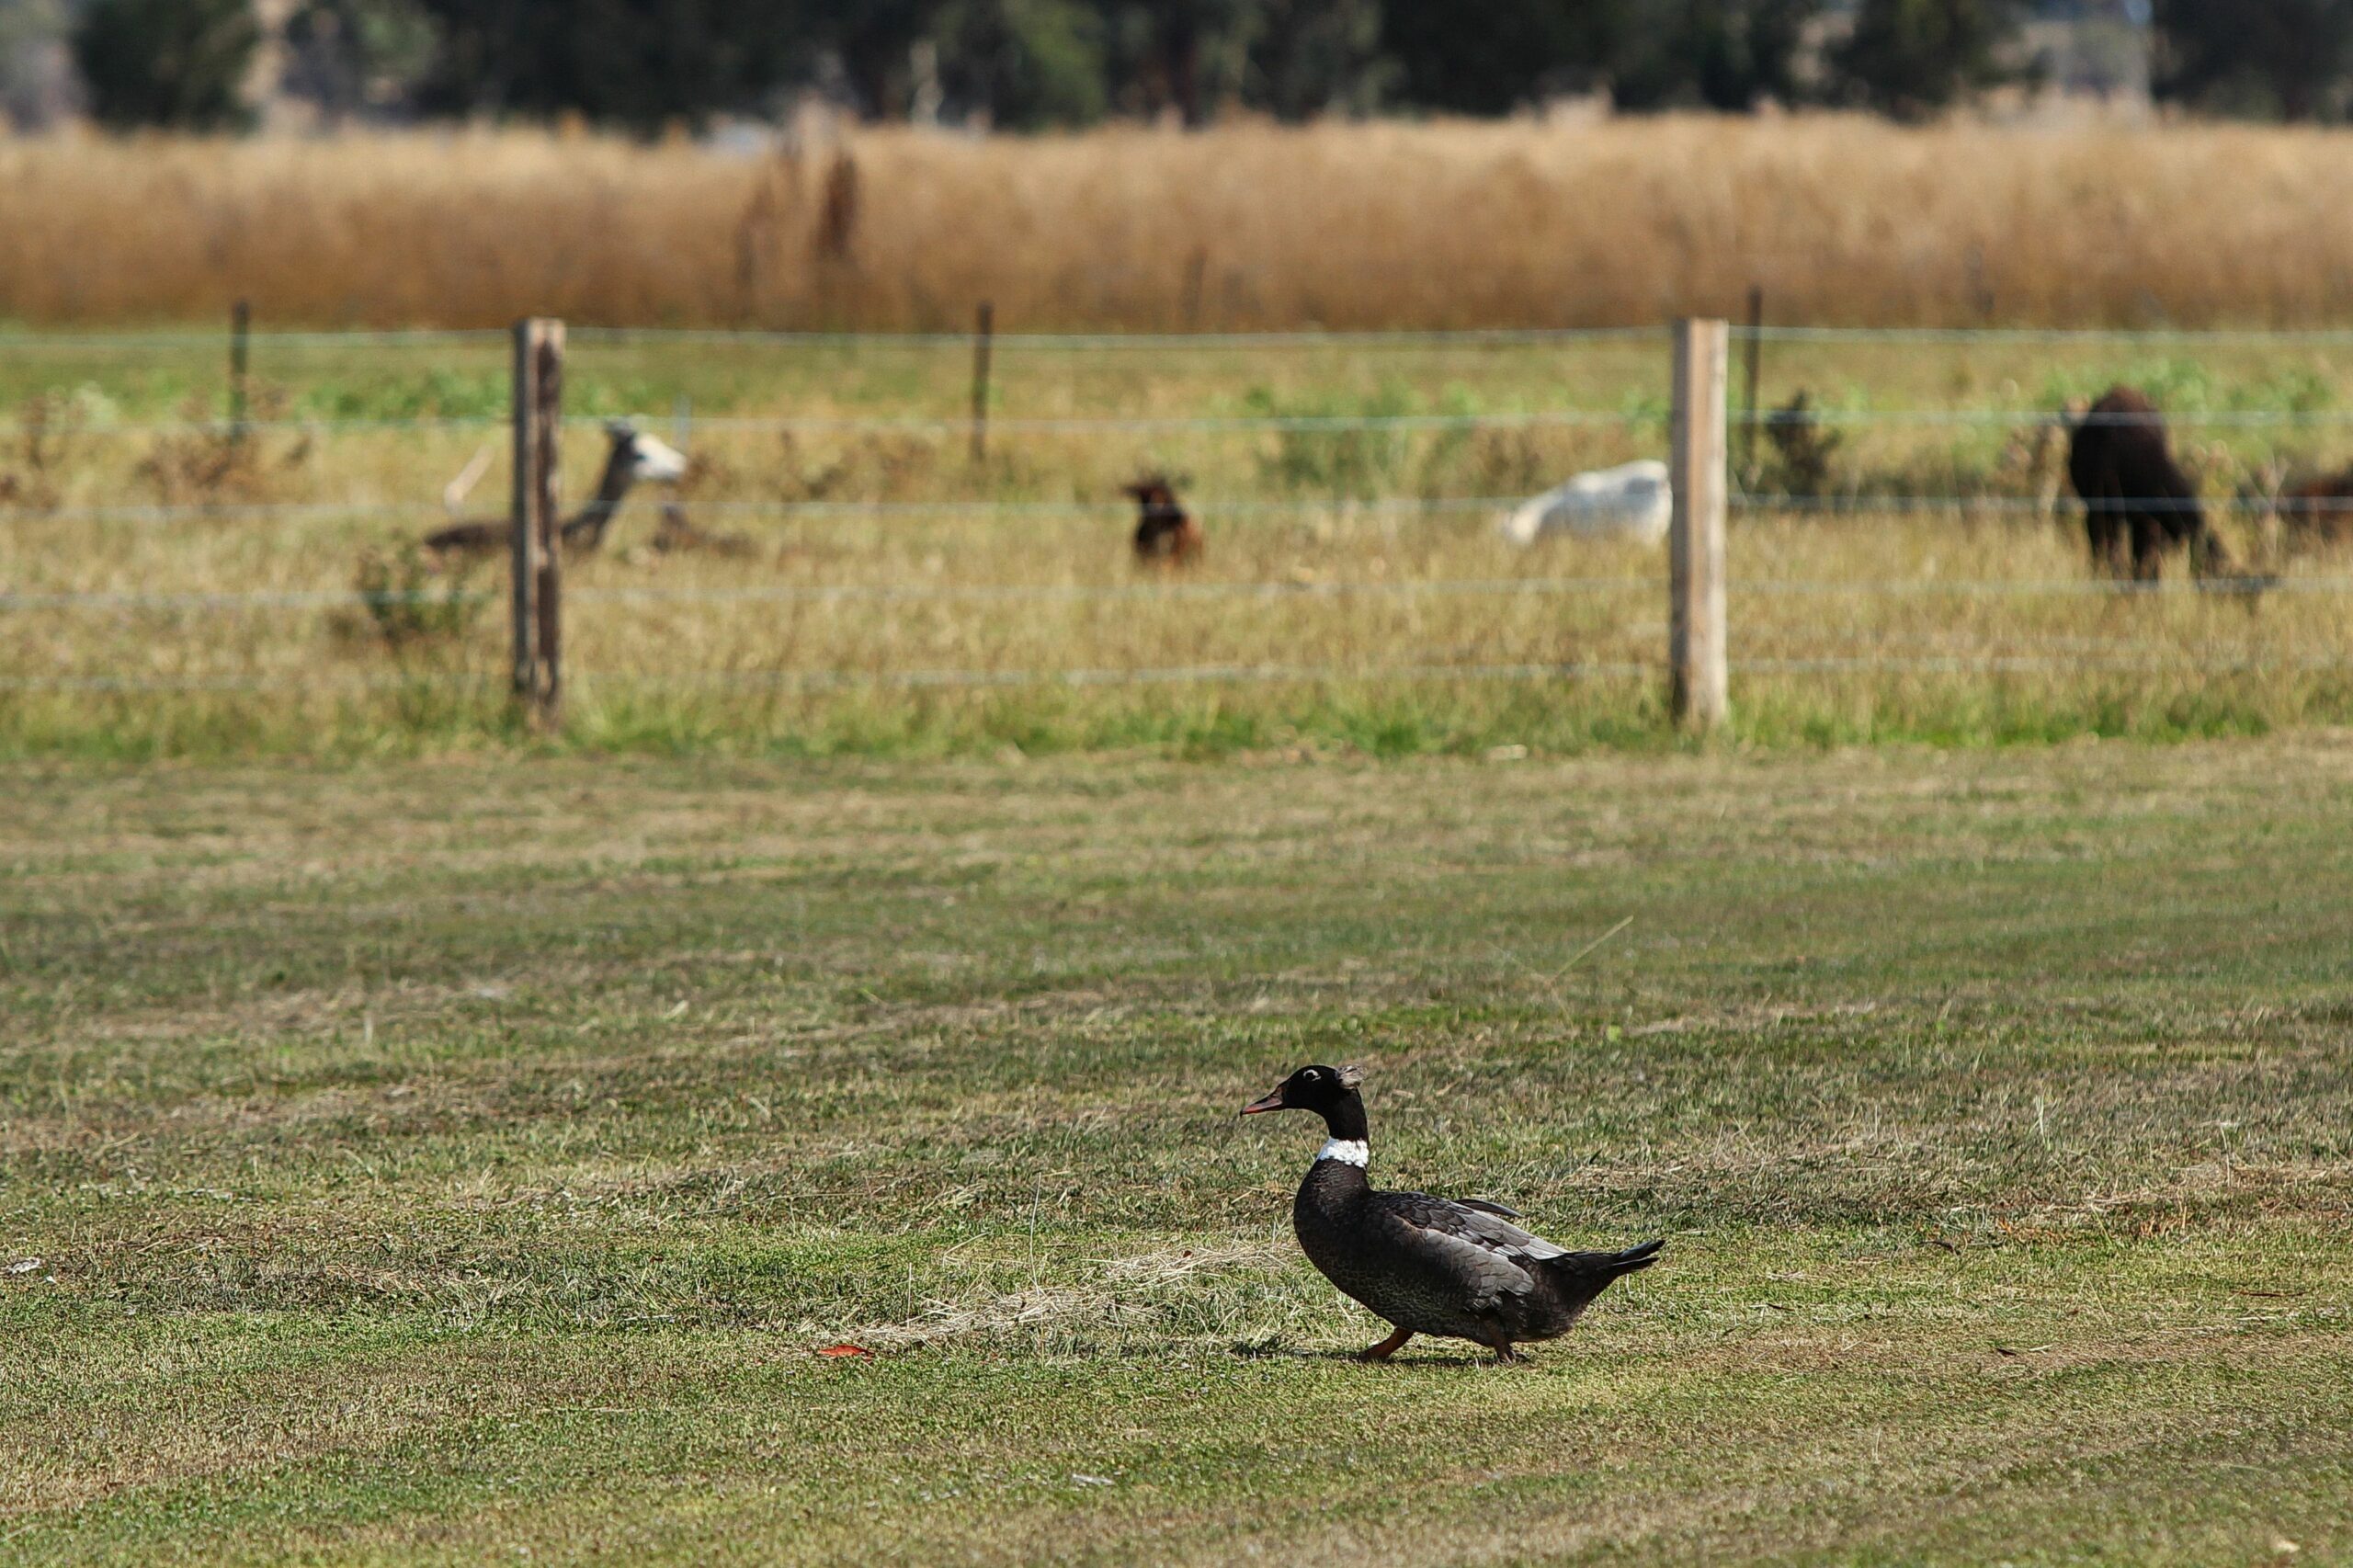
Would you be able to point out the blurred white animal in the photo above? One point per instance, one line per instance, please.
(1631, 501)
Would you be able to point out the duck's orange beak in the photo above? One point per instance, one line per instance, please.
(1271, 1100)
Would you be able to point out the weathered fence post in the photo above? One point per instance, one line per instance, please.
(1696, 641)
(241, 325)
(983, 330)
(538, 558)
(1755, 357)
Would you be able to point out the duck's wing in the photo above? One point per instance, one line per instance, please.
(1486, 1207)
(1489, 1253)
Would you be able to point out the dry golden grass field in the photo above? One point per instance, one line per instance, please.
(1519, 223)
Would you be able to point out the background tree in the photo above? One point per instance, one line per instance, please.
(1311, 57)
(1649, 54)
(1029, 64)
(1190, 56)
(347, 55)
(168, 62)
(1520, 50)
(642, 63)
(1720, 54)
(2285, 59)
(1912, 58)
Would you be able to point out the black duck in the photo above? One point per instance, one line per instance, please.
(1455, 1269)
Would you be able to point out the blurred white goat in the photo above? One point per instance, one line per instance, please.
(1631, 501)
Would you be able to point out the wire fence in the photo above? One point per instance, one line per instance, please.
(1337, 675)
(1648, 418)
(1305, 340)
(1976, 651)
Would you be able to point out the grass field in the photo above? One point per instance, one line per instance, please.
(458, 1163)
(894, 596)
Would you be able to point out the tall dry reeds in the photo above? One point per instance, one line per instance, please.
(1841, 220)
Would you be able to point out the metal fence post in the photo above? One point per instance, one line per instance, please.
(536, 555)
(1696, 640)
(1754, 358)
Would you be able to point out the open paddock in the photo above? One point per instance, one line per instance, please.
(430, 1162)
(860, 578)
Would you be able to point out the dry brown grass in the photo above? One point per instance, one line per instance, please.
(1842, 220)
(934, 621)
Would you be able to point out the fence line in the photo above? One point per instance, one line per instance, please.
(835, 680)
(100, 600)
(1412, 505)
(1058, 424)
(873, 424)
(1079, 341)
(292, 510)
(1854, 505)
(808, 681)
(953, 425)
(2251, 418)
(106, 429)
(103, 600)
(2058, 586)
(1697, 411)
(397, 337)
(1112, 342)
(2325, 337)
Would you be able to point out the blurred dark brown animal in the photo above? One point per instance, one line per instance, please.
(2318, 511)
(1164, 531)
(2134, 495)
(630, 457)
(677, 535)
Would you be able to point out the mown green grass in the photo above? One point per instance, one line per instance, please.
(449, 1162)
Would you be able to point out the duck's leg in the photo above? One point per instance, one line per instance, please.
(1505, 1356)
(1387, 1348)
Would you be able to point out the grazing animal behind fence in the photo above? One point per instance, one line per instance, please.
(1633, 501)
(2318, 511)
(1165, 531)
(2135, 497)
(630, 457)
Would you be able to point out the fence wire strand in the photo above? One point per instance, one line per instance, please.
(819, 681)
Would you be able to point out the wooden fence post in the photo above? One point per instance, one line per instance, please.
(983, 330)
(537, 556)
(1696, 641)
(241, 323)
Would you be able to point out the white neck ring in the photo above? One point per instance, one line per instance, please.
(1348, 1151)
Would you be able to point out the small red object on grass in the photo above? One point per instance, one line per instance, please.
(844, 1350)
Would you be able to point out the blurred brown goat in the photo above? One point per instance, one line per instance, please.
(2135, 497)
(1164, 531)
(2318, 511)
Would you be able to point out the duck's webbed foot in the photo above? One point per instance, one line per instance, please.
(1505, 1356)
(1387, 1348)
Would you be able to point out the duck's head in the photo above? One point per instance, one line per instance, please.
(1329, 1092)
